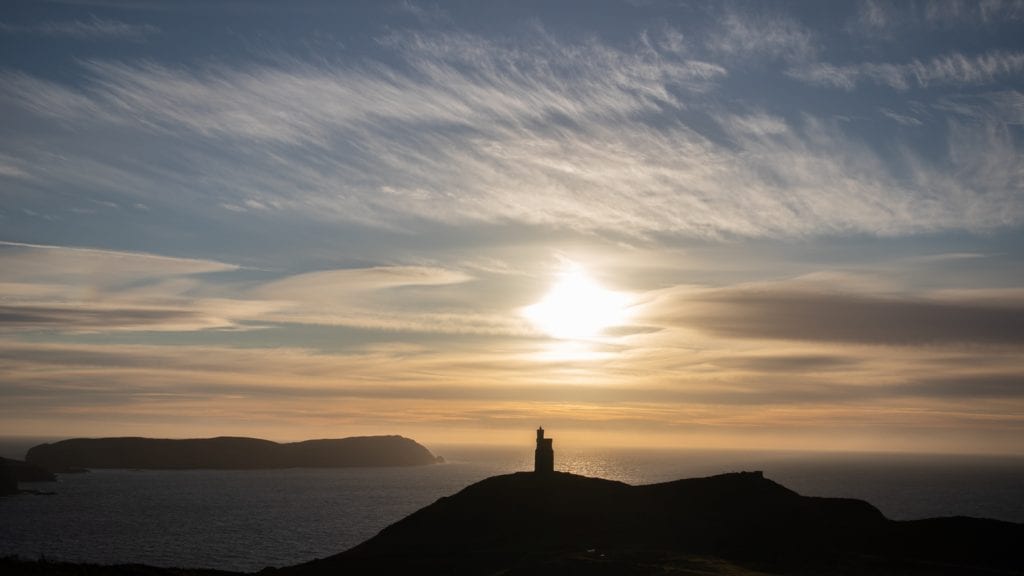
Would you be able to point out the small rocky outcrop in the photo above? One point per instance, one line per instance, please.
(14, 471)
(8, 481)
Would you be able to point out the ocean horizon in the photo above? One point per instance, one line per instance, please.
(246, 520)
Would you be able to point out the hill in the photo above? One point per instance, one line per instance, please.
(228, 453)
(560, 523)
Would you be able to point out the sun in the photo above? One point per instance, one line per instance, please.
(577, 307)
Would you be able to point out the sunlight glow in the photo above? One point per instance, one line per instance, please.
(577, 307)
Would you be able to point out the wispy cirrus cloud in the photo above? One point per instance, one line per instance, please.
(584, 136)
(951, 12)
(458, 81)
(11, 168)
(952, 69)
(752, 35)
(94, 28)
(873, 15)
(879, 17)
(903, 119)
(1005, 106)
(392, 298)
(94, 266)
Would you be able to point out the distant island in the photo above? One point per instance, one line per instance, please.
(227, 453)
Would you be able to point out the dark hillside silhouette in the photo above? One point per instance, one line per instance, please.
(529, 523)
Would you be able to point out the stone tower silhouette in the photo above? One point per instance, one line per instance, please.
(544, 456)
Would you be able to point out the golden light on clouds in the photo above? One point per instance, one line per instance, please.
(577, 307)
(449, 231)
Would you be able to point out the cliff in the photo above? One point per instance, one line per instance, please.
(561, 523)
(228, 453)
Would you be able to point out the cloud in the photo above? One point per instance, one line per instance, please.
(685, 373)
(78, 319)
(902, 119)
(324, 285)
(851, 318)
(468, 131)
(761, 36)
(873, 14)
(950, 256)
(47, 98)
(11, 169)
(457, 80)
(1004, 106)
(94, 265)
(77, 290)
(393, 298)
(94, 28)
(63, 289)
(426, 179)
(266, 391)
(876, 17)
(967, 386)
(787, 363)
(957, 12)
(953, 69)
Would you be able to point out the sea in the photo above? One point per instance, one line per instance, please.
(251, 519)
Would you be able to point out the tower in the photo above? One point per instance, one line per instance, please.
(544, 456)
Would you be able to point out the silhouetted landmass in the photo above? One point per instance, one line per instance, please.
(27, 472)
(14, 471)
(227, 453)
(561, 523)
(8, 481)
(738, 524)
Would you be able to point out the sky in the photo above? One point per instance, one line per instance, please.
(726, 225)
